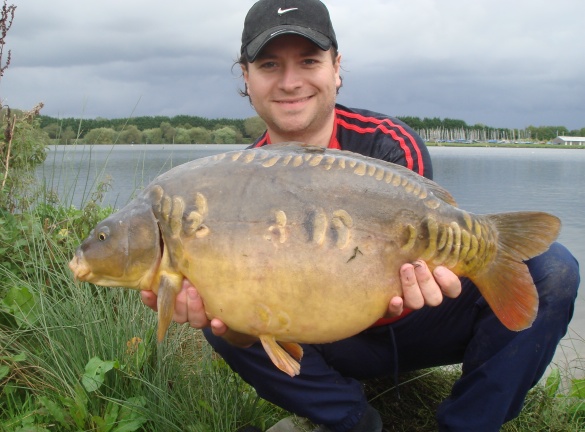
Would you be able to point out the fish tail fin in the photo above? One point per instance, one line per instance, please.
(281, 358)
(506, 284)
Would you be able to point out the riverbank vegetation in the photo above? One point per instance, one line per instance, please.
(185, 129)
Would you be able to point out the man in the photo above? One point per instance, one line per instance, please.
(291, 70)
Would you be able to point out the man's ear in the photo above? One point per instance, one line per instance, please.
(245, 72)
(337, 68)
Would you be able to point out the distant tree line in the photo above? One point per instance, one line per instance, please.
(184, 129)
(459, 129)
(181, 129)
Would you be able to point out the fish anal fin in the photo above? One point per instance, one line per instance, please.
(168, 288)
(281, 359)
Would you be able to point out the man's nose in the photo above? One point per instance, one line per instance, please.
(291, 78)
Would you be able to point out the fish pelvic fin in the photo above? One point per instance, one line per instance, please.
(294, 349)
(168, 288)
(506, 284)
(280, 357)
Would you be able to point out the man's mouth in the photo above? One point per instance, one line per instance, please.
(295, 101)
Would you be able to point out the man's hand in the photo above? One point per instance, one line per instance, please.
(188, 308)
(420, 287)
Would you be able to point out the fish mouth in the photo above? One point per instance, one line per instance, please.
(79, 268)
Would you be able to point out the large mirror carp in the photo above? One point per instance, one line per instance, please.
(300, 244)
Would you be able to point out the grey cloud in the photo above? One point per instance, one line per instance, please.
(501, 63)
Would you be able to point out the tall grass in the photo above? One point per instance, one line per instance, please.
(78, 357)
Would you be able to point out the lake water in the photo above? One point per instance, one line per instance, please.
(482, 180)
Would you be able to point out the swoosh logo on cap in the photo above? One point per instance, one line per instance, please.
(282, 11)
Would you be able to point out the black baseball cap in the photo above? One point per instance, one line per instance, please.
(268, 19)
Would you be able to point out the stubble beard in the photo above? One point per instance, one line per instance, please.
(303, 129)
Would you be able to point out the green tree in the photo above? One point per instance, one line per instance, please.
(454, 124)
(53, 130)
(182, 136)
(200, 135)
(168, 133)
(413, 122)
(239, 134)
(254, 127)
(101, 135)
(68, 136)
(152, 136)
(547, 133)
(225, 135)
(130, 135)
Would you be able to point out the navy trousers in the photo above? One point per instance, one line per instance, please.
(499, 366)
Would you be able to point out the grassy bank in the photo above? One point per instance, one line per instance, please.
(75, 357)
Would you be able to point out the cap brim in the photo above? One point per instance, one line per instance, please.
(252, 50)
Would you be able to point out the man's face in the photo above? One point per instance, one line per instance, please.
(292, 85)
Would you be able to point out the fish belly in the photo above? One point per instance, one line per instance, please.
(305, 252)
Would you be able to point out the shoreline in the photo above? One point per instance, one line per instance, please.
(507, 145)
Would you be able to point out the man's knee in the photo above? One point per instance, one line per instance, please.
(555, 272)
(556, 276)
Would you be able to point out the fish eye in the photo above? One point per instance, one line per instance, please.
(103, 234)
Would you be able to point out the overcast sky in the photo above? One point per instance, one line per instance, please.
(503, 63)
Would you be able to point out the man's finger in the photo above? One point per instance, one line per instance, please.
(448, 281)
(413, 298)
(181, 314)
(196, 309)
(429, 288)
(395, 307)
(149, 299)
(218, 327)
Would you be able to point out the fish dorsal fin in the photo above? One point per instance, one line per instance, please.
(299, 147)
(295, 146)
(438, 191)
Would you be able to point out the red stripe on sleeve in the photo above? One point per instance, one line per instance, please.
(333, 142)
(263, 141)
(380, 123)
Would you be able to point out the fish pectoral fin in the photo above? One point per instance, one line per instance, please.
(168, 288)
(281, 359)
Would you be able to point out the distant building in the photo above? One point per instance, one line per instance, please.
(568, 140)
